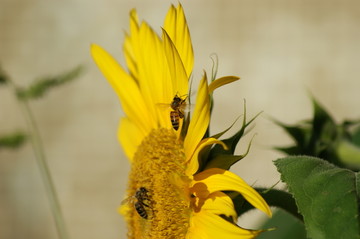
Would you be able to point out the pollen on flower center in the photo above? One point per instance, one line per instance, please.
(158, 166)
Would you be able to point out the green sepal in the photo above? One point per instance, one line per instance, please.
(186, 120)
(185, 126)
(224, 158)
(225, 161)
(215, 66)
(41, 86)
(203, 155)
(13, 140)
(218, 135)
(214, 70)
(327, 196)
(207, 133)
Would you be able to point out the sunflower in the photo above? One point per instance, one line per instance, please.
(172, 193)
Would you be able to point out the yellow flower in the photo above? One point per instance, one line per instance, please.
(170, 194)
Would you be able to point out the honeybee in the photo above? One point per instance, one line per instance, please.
(140, 200)
(178, 105)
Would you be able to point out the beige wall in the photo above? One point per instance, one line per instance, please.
(280, 48)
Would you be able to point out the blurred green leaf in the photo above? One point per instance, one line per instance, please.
(323, 133)
(291, 150)
(356, 136)
(349, 153)
(41, 86)
(299, 133)
(322, 137)
(326, 196)
(3, 77)
(13, 140)
(286, 227)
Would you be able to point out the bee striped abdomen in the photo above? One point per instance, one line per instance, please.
(139, 201)
(175, 118)
(139, 207)
(177, 105)
(142, 196)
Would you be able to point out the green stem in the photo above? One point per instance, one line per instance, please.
(43, 167)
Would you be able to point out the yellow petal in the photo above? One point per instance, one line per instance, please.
(215, 227)
(131, 99)
(196, 230)
(176, 67)
(131, 40)
(153, 72)
(222, 81)
(129, 137)
(176, 27)
(193, 164)
(215, 179)
(200, 119)
(220, 204)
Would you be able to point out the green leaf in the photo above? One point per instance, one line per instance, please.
(326, 196)
(291, 150)
(358, 187)
(356, 136)
(41, 86)
(13, 140)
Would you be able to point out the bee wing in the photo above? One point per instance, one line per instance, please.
(187, 107)
(163, 106)
(127, 200)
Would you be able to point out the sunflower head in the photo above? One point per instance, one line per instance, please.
(179, 175)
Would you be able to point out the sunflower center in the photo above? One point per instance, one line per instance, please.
(159, 186)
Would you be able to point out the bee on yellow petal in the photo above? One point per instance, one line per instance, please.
(179, 106)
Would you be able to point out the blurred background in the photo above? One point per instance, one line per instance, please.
(282, 50)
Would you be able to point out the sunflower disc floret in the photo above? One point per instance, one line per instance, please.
(159, 167)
